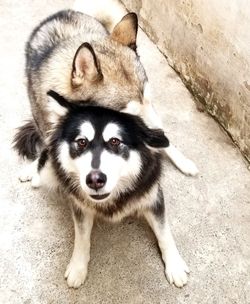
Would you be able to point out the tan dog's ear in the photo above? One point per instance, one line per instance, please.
(125, 31)
(85, 65)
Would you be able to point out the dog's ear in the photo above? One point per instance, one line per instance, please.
(85, 65)
(155, 138)
(125, 31)
(57, 106)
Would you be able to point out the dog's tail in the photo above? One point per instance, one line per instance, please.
(108, 12)
(27, 141)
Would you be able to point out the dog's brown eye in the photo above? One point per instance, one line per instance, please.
(82, 143)
(114, 141)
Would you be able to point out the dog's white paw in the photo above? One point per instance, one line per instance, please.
(36, 181)
(26, 174)
(176, 270)
(75, 274)
(28, 171)
(184, 164)
(188, 167)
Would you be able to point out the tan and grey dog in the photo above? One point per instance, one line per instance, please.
(74, 54)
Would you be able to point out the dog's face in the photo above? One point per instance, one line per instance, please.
(100, 154)
(110, 73)
(101, 148)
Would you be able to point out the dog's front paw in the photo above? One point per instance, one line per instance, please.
(75, 274)
(27, 173)
(188, 167)
(36, 181)
(176, 270)
(184, 164)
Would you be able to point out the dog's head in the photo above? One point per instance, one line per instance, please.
(109, 71)
(100, 152)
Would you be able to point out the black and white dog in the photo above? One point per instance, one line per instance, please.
(109, 164)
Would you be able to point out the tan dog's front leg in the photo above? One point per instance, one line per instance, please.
(184, 164)
(148, 113)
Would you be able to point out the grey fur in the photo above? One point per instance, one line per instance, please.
(50, 53)
(27, 141)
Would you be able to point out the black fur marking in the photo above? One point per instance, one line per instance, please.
(43, 159)
(99, 117)
(134, 134)
(61, 100)
(27, 141)
(133, 46)
(124, 151)
(96, 160)
(135, 21)
(158, 208)
(121, 150)
(71, 104)
(134, 18)
(155, 137)
(73, 151)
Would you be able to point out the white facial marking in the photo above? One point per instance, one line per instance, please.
(121, 173)
(65, 159)
(86, 130)
(111, 130)
(83, 168)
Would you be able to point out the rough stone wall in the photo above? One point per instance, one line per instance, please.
(208, 43)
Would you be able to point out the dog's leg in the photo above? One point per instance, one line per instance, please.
(184, 164)
(175, 267)
(147, 112)
(77, 269)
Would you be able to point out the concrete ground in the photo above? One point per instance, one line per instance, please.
(209, 215)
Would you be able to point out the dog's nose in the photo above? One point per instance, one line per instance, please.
(96, 180)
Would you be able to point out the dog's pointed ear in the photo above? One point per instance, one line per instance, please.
(85, 65)
(154, 138)
(57, 106)
(125, 32)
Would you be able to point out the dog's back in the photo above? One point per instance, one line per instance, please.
(108, 12)
(57, 29)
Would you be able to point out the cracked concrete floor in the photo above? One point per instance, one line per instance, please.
(209, 215)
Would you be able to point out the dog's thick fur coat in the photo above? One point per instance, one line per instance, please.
(73, 54)
(100, 158)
